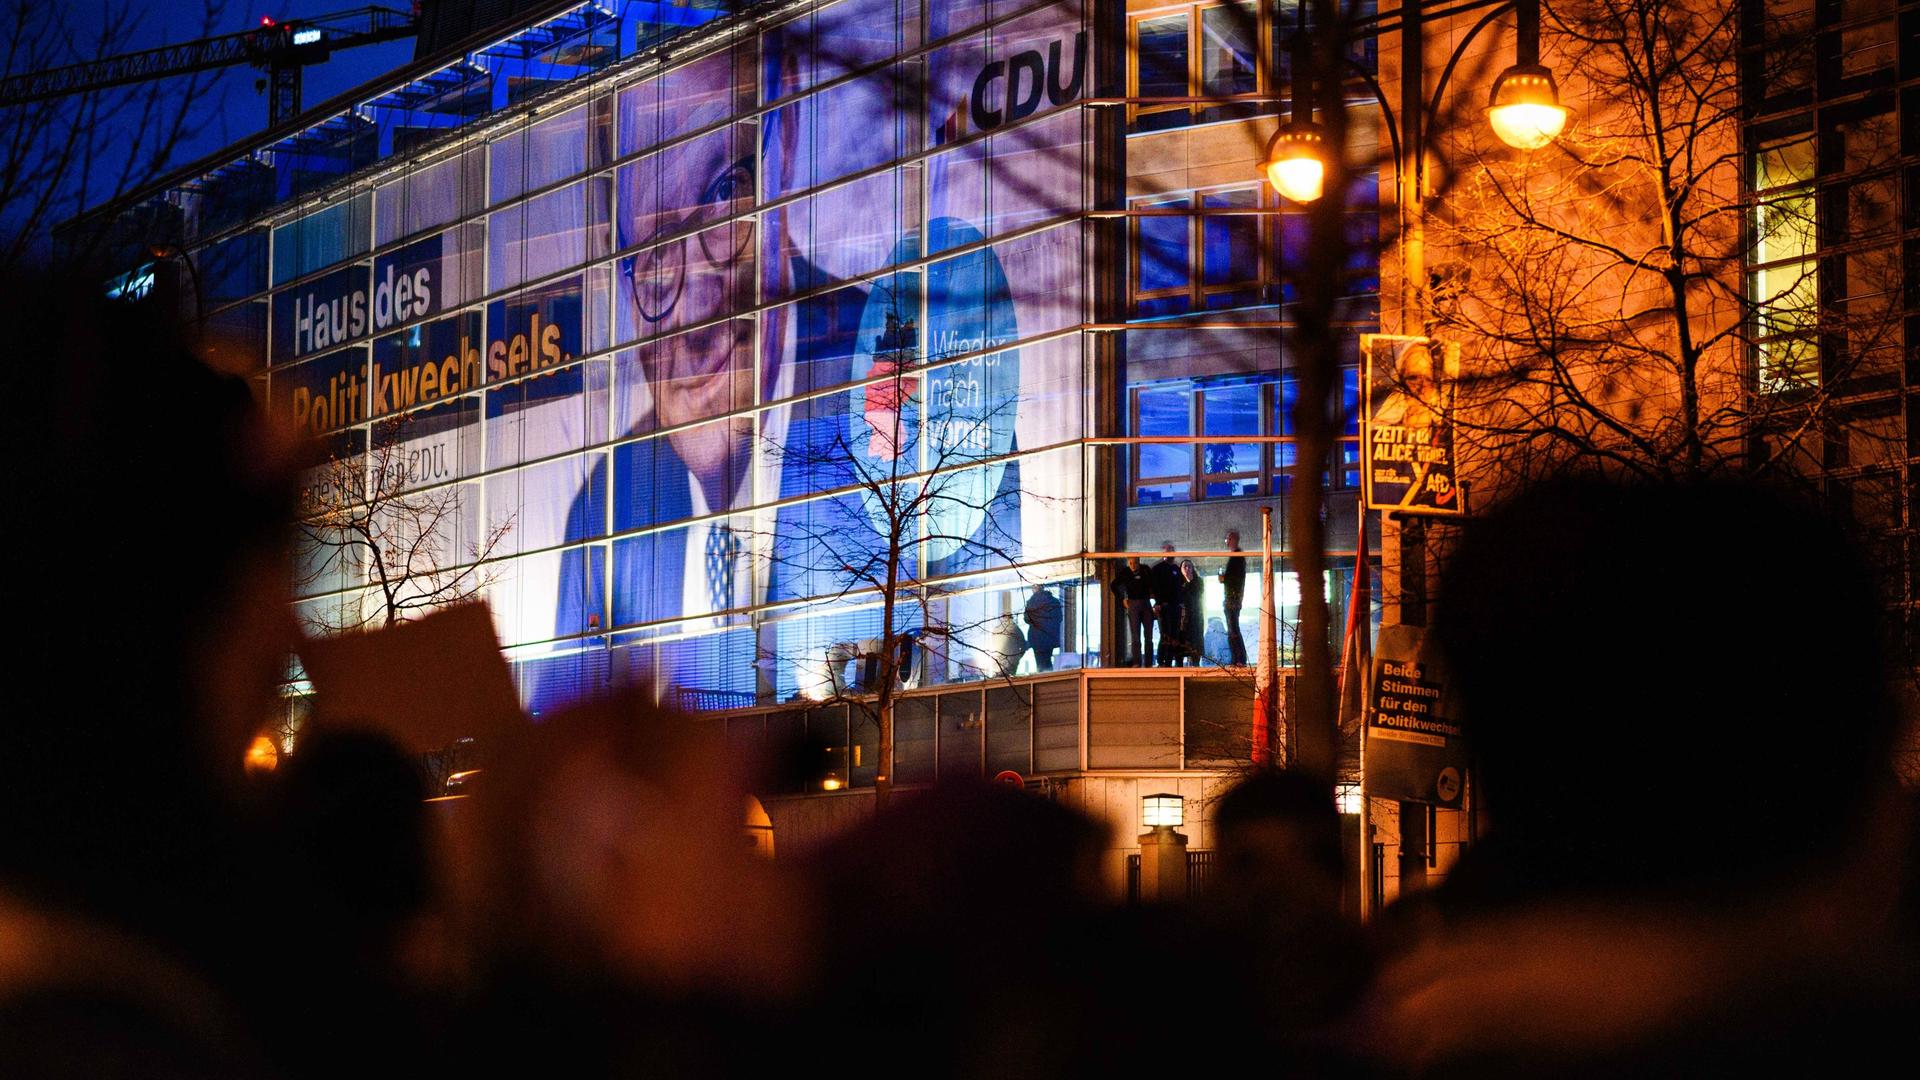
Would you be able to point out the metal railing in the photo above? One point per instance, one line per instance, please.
(1200, 866)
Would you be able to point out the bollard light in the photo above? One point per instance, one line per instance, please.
(1163, 810)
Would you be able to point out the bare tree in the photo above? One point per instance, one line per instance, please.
(903, 483)
(60, 155)
(388, 515)
(1599, 287)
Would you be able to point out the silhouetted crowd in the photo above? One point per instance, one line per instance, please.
(1695, 857)
(1167, 600)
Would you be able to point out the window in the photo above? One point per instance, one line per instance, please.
(1784, 284)
(1363, 49)
(1163, 472)
(1213, 51)
(1866, 48)
(1207, 416)
(1229, 469)
(1785, 63)
(1207, 50)
(1186, 262)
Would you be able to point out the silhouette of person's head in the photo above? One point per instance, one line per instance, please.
(356, 834)
(1278, 835)
(1670, 688)
(145, 520)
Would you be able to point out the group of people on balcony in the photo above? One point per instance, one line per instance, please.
(1170, 596)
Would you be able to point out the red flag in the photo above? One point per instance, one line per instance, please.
(1356, 649)
(1266, 690)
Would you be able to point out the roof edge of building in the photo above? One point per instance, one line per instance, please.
(749, 10)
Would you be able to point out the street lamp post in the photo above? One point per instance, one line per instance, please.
(1296, 163)
(1524, 108)
(1524, 111)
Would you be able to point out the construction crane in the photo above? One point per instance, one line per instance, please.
(280, 49)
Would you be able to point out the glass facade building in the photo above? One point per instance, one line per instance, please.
(650, 295)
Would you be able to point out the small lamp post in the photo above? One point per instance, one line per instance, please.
(1163, 852)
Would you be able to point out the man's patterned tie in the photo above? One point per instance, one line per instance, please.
(723, 550)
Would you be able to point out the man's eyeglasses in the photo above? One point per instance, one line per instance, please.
(657, 276)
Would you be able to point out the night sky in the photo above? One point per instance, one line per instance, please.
(234, 109)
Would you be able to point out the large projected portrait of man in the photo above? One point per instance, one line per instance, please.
(819, 265)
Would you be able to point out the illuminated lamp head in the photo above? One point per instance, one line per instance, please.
(1525, 108)
(262, 756)
(1296, 163)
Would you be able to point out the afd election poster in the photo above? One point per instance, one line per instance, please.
(1416, 748)
(1407, 452)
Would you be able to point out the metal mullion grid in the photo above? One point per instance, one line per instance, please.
(1197, 440)
(920, 265)
(481, 215)
(1201, 475)
(1134, 52)
(486, 286)
(1197, 243)
(632, 66)
(968, 582)
(610, 169)
(759, 112)
(1266, 239)
(1266, 72)
(812, 496)
(1136, 210)
(1134, 477)
(925, 583)
(755, 410)
(791, 611)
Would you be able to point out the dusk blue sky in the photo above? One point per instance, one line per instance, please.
(236, 109)
(226, 105)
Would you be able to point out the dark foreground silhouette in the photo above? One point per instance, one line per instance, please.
(1695, 860)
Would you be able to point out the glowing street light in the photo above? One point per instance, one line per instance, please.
(1296, 161)
(1163, 810)
(1526, 112)
(262, 756)
(1525, 109)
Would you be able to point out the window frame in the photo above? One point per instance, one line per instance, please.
(1270, 476)
(1197, 292)
(1786, 348)
(1195, 14)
